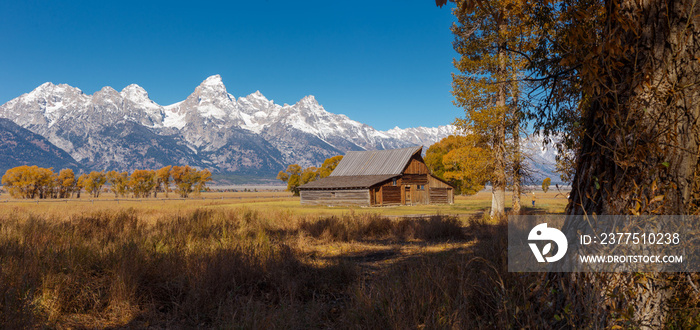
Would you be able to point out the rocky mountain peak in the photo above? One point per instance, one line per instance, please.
(138, 96)
(49, 90)
(107, 90)
(211, 90)
(309, 106)
(213, 83)
(107, 94)
(308, 100)
(134, 91)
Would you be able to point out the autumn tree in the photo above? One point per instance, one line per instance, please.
(435, 156)
(641, 86)
(80, 184)
(93, 182)
(295, 176)
(545, 184)
(292, 176)
(469, 164)
(188, 179)
(626, 75)
(20, 182)
(119, 183)
(45, 181)
(486, 86)
(66, 183)
(142, 183)
(203, 177)
(163, 180)
(328, 166)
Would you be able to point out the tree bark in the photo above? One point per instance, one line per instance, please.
(498, 189)
(517, 156)
(641, 136)
(517, 168)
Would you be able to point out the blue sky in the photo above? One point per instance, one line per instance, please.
(384, 63)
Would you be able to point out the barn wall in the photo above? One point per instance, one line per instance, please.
(335, 197)
(440, 195)
(440, 192)
(391, 194)
(435, 183)
(416, 166)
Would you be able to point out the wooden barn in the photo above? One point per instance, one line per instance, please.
(379, 177)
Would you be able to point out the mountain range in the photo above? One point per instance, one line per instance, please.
(251, 135)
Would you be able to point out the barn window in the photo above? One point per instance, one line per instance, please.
(333, 194)
(393, 182)
(421, 187)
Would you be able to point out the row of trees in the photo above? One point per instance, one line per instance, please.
(296, 176)
(36, 182)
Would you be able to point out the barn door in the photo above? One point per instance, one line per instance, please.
(408, 195)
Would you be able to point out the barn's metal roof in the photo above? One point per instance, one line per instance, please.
(375, 162)
(347, 182)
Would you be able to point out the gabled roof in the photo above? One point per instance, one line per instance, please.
(375, 162)
(347, 182)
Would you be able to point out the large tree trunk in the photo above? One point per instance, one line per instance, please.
(498, 190)
(641, 136)
(517, 155)
(517, 168)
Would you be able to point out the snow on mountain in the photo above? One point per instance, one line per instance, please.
(541, 158)
(210, 126)
(424, 136)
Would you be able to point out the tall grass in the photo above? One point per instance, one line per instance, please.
(197, 269)
(351, 227)
(243, 268)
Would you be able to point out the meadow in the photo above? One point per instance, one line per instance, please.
(261, 260)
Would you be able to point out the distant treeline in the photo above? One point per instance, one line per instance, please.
(36, 182)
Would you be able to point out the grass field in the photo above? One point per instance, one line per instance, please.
(261, 260)
(550, 203)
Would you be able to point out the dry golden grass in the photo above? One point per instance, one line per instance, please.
(210, 268)
(281, 202)
(264, 261)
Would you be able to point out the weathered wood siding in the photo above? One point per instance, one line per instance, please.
(440, 192)
(391, 195)
(416, 166)
(439, 196)
(414, 179)
(335, 197)
(436, 183)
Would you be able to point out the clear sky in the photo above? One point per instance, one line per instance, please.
(383, 63)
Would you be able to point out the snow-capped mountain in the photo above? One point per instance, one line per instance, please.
(541, 158)
(210, 128)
